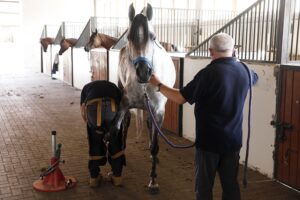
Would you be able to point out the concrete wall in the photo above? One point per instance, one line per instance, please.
(37, 13)
(263, 108)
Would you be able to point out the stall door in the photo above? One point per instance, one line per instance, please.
(99, 65)
(288, 134)
(172, 114)
(67, 65)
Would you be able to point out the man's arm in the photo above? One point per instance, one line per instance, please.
(171, 93)
(83, 113)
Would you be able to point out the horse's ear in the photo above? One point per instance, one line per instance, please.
(131, 12)
(149, 12)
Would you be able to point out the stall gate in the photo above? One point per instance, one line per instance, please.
(173, 114)
(67, 30)
(288, 128)
(99, 57)
(47, 57)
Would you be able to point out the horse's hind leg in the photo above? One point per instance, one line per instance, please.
(154, 148)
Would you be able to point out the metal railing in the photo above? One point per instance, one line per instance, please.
(294, 35)
(186, 28)
(49, 30)
(254, 32)
(69, 30)
(111, 26)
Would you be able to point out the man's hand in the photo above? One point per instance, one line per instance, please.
(154, 80)
(83, 113)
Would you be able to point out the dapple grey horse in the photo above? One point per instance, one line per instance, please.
(142, 56)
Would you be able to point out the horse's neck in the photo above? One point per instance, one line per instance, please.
(49, 40)
(107, 42)
(71, 41)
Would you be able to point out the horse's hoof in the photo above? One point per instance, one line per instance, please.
(117, 181)
(153, 188)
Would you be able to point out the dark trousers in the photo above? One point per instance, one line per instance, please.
(98, 152)
(207, 164)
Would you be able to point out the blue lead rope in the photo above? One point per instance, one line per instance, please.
(245, 182)
(158, 129)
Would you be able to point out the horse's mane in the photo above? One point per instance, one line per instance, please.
(72, 41)
(133, 35)
(108, 36)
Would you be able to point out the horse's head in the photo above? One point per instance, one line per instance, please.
(94, 42)
(141, 43)
(45, 42)
(65, 44)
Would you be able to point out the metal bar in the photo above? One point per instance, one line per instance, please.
(243, 39)
(283, 31)
(292, 31)
(254, 35)
(298, 33)
(271, 34)
(250, 34)
(258, 31)
(236, 34)
(275, 36)
(267, 28)
(262, 33)
(232, 29)
(161, 23)
(246, 41)
(53, 137)
(240, 34)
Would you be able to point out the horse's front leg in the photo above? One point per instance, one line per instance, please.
(154, 148)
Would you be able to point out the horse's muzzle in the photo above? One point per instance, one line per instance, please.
(86, 49)
(143, 72)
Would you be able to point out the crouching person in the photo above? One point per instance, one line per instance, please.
(99, 104)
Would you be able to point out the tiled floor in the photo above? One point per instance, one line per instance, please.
(31, 105)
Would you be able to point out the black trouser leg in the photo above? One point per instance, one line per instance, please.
(114, 148)
(97, 152)
(206, 164)
(228, 171)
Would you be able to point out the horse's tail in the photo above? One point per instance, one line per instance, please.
(139, 122)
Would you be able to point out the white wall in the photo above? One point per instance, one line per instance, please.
(113, 65)
(263, 108)
(82, 68)
(38, 13)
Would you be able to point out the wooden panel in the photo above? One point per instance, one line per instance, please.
(288, 149)
(294, 133)
(280, 147)
(287, 118)
(171, 120)
(99, 65)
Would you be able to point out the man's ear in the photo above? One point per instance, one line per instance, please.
(211, 51)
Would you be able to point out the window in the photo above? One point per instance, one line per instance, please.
(9, 20)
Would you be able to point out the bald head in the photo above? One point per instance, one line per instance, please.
(221, 45)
